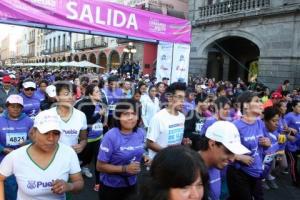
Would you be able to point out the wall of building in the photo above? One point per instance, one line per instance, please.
(276, 33)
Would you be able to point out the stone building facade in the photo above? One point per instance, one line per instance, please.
(229, 35)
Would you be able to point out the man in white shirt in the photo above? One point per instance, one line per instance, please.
(167, 126)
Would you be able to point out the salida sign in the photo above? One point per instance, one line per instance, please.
(97, 15)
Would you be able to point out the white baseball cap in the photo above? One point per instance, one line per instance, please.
(227, 134)
(14, 98)
(51, 91)
(29, 84)
(47, 121)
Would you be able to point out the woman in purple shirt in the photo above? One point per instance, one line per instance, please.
(244, 177)
(121, 152)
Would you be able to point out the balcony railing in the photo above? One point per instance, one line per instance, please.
(58, 49)
(90, 43)
(231, 7)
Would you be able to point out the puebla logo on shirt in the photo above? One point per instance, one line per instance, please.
(38, 184)
(70, 132)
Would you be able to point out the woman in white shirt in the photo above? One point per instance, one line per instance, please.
(43, 168)
(150, 105)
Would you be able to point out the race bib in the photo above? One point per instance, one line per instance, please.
(14, 139)
(269, 158)
(112, 107)
(97, 127)
(199, 127)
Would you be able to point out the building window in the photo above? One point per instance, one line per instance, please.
(64, 40)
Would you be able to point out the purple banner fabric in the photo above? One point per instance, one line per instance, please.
(98, 16)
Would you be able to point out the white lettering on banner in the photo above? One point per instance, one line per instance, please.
(114, 18)
(86, 13)
(51, 3)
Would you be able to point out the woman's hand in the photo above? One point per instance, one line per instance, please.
(246, 159)
(147, 161)
(264, 141)
(60, 186)
(133, 168)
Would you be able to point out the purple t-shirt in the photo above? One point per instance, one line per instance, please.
(281, 125)
(210, 121)
(96, 129)
(119, 149)
(39, 95)
(13, 132)
(188, 106)
(112, 98)
(293, 121)
(250, 134)
(31, 105)
(214, 184)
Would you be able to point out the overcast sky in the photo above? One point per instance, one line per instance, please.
(14, 31)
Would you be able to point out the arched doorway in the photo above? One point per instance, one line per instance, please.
(92, 58)
(53, 59)
(114, 60)
(83, 57)
(69, 59)
(230, 57)
(63, 58)
(102, 61)
(76, 58)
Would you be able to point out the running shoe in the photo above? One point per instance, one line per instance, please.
(86, 172)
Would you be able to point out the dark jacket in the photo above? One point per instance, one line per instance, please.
(88, 108)
(3, 95)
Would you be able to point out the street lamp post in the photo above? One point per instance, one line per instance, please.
(130, 49)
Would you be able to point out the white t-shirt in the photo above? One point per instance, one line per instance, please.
(166, 129)
(35, 182)
(149, 109)
(71, 128)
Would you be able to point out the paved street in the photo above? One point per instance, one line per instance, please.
(285, 192)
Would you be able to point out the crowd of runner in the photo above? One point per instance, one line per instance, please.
(144, 139)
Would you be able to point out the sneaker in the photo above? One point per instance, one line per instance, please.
(96, 187)
(265, 185)
(85, 171)
(273, 184)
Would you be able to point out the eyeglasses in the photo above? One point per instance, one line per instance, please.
(178, 97)
(31, 89)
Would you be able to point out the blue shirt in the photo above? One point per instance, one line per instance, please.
(210, 121)
(13, 132)
(112, 98)
(293, 121)
(96, 129)
(31, 105)
(214, 184)
(121, 149)
(39, 95)
(250, 134)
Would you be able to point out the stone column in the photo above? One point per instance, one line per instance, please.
(226, 61)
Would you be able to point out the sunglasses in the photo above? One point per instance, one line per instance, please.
(31, 89)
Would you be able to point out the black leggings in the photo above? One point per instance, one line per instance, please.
(89, 153)
(110, 193)
(243, 186)
(294, 165)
